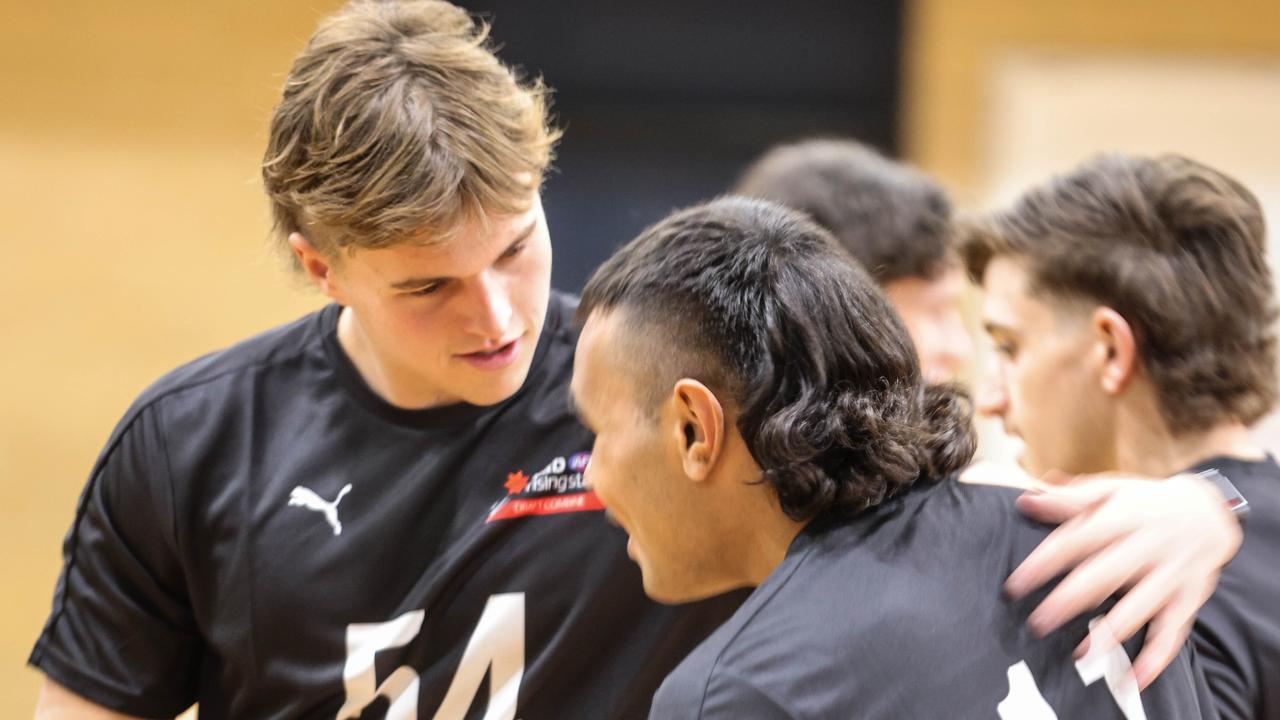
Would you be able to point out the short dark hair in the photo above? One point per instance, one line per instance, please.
(759, 303)
(894, 219)
(1179, 250)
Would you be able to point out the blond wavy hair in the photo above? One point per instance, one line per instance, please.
(398, 123)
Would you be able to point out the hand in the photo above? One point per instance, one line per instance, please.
(1163, 540)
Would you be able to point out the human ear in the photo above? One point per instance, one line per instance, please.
(318, 268)
(1116, 347)
(698, 427)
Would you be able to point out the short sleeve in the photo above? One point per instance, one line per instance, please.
(121, 632)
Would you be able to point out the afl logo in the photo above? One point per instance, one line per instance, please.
(578, 461)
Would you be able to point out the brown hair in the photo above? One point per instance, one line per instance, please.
(1175, 247)
(396, 119)
(893, 219)
(755, 300)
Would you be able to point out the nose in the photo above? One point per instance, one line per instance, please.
(488, 308)
(991, 399)
(945, 349)
(959, 342)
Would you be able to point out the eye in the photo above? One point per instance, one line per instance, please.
(512, 251)
(1006, 349)
(426, 289)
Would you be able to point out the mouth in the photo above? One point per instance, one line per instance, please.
(631, 538)
(495, 359)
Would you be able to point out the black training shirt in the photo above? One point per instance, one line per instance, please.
(1237, 634)
(264, 535)
(898, 614)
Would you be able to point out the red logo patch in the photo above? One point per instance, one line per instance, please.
(560, 487)
(550, 505)
(516, 482)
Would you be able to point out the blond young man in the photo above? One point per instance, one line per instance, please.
(379, 506)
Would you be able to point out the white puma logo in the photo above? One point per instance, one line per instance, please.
(307, 498)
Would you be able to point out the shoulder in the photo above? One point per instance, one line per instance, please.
(731, 671)
(282, 346)
(277, 346)
(950, 518)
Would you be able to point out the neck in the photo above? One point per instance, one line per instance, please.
(391, 381)
(1157, 452)
(764, 545)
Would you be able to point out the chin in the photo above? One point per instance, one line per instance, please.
(496, 388)
(679, 594)
(667, 595)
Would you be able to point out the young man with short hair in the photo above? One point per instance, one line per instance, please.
(783, 438)
(1132, 311)
(895, 220)
(379, 506)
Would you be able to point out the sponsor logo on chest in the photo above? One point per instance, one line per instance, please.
(557, 488)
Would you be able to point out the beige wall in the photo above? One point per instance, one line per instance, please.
(954, 45)
(1001, 93)
(134, 234)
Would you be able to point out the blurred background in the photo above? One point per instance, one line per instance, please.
(136, 234)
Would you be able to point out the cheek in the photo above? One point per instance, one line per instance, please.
(532, 280)
(1044, 385)
(602, 472)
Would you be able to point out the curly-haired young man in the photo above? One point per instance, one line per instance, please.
(761, 420)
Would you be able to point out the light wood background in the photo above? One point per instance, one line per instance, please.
(135, 237)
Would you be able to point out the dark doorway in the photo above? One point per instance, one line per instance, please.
(664, 102)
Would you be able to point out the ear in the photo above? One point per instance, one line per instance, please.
(1117, 350)
(318, 268)
(699, 427)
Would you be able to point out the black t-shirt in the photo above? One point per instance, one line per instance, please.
(897, 614)
(264, 535)
(1237, 634)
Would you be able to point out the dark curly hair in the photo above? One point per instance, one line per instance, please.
(760, 304)
(894, 219)
(1174, 246)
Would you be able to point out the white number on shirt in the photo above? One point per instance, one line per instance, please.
(1025, 702)
(496, 646)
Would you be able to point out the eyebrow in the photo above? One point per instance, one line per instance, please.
(418, 282)
(992, 327)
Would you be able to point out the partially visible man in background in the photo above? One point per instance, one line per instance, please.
(895, 220)
(1132, 311)
(898, 223)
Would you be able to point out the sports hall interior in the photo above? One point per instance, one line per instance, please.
(138, 236)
